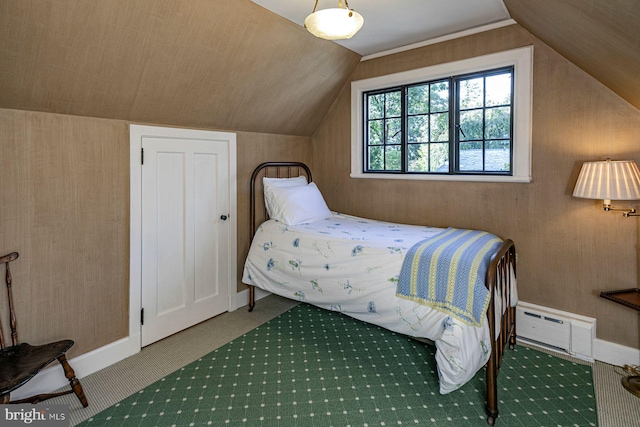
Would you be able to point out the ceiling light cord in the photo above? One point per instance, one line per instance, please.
(340, 5)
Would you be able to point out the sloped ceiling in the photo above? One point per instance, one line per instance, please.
(600, 36)
(198, 63)
(233, 65)
(392, 24)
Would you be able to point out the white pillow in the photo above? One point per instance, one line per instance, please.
(280, 182)
(284, 182)
(295, 205)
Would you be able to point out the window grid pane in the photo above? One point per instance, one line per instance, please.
(418, 128)
(375, 158)
(418, 158)
(439, 96)
(393, 131)
(484, 123)
(392, 158)
(384, 130)
(428, 123)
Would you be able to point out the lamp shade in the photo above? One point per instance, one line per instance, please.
(334, 24)
(608, 180)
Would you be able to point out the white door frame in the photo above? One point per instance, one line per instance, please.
(136, 133)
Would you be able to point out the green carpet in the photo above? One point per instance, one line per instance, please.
(312, 367)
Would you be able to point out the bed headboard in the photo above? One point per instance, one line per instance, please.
(270, 170)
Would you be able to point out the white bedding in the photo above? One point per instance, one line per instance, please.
(351, 265)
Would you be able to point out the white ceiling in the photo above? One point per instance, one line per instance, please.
(390, 24)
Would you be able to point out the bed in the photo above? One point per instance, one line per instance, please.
(362, 267)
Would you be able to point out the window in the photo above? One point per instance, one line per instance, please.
(468, 120)
(454, 126)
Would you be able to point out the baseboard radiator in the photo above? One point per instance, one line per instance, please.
(556, 330)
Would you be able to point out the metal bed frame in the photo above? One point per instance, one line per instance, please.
(502, 267)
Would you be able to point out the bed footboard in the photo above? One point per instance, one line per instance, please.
(500, 282)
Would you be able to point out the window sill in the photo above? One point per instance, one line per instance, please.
(459, 178)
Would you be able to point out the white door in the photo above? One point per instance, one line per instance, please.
(185, 234)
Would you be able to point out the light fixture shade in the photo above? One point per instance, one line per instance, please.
(334, 24)
(608, 180)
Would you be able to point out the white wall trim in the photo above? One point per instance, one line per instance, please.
(441, 39)
(53, 377)
(522, 61)
(136, 133)
(615, 354)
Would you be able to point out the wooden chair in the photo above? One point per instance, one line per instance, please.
(21, 362)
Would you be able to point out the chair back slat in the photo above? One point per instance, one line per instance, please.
(12, 314)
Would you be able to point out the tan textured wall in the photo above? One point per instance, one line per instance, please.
(569, 250)
(64, 206)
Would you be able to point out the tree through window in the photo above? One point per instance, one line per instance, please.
(458, 125)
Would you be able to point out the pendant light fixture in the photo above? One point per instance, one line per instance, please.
(335, 23)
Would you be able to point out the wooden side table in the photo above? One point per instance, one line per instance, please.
(630, 298)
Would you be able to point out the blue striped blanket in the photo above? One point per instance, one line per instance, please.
(447, 272)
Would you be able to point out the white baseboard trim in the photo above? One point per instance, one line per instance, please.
(615, 354)
(603, 351)
(53, 377)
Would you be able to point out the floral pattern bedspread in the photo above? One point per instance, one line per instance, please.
(351, 265)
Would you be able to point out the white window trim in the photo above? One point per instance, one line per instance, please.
(522, 61)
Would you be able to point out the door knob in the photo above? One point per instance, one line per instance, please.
(223, 217)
